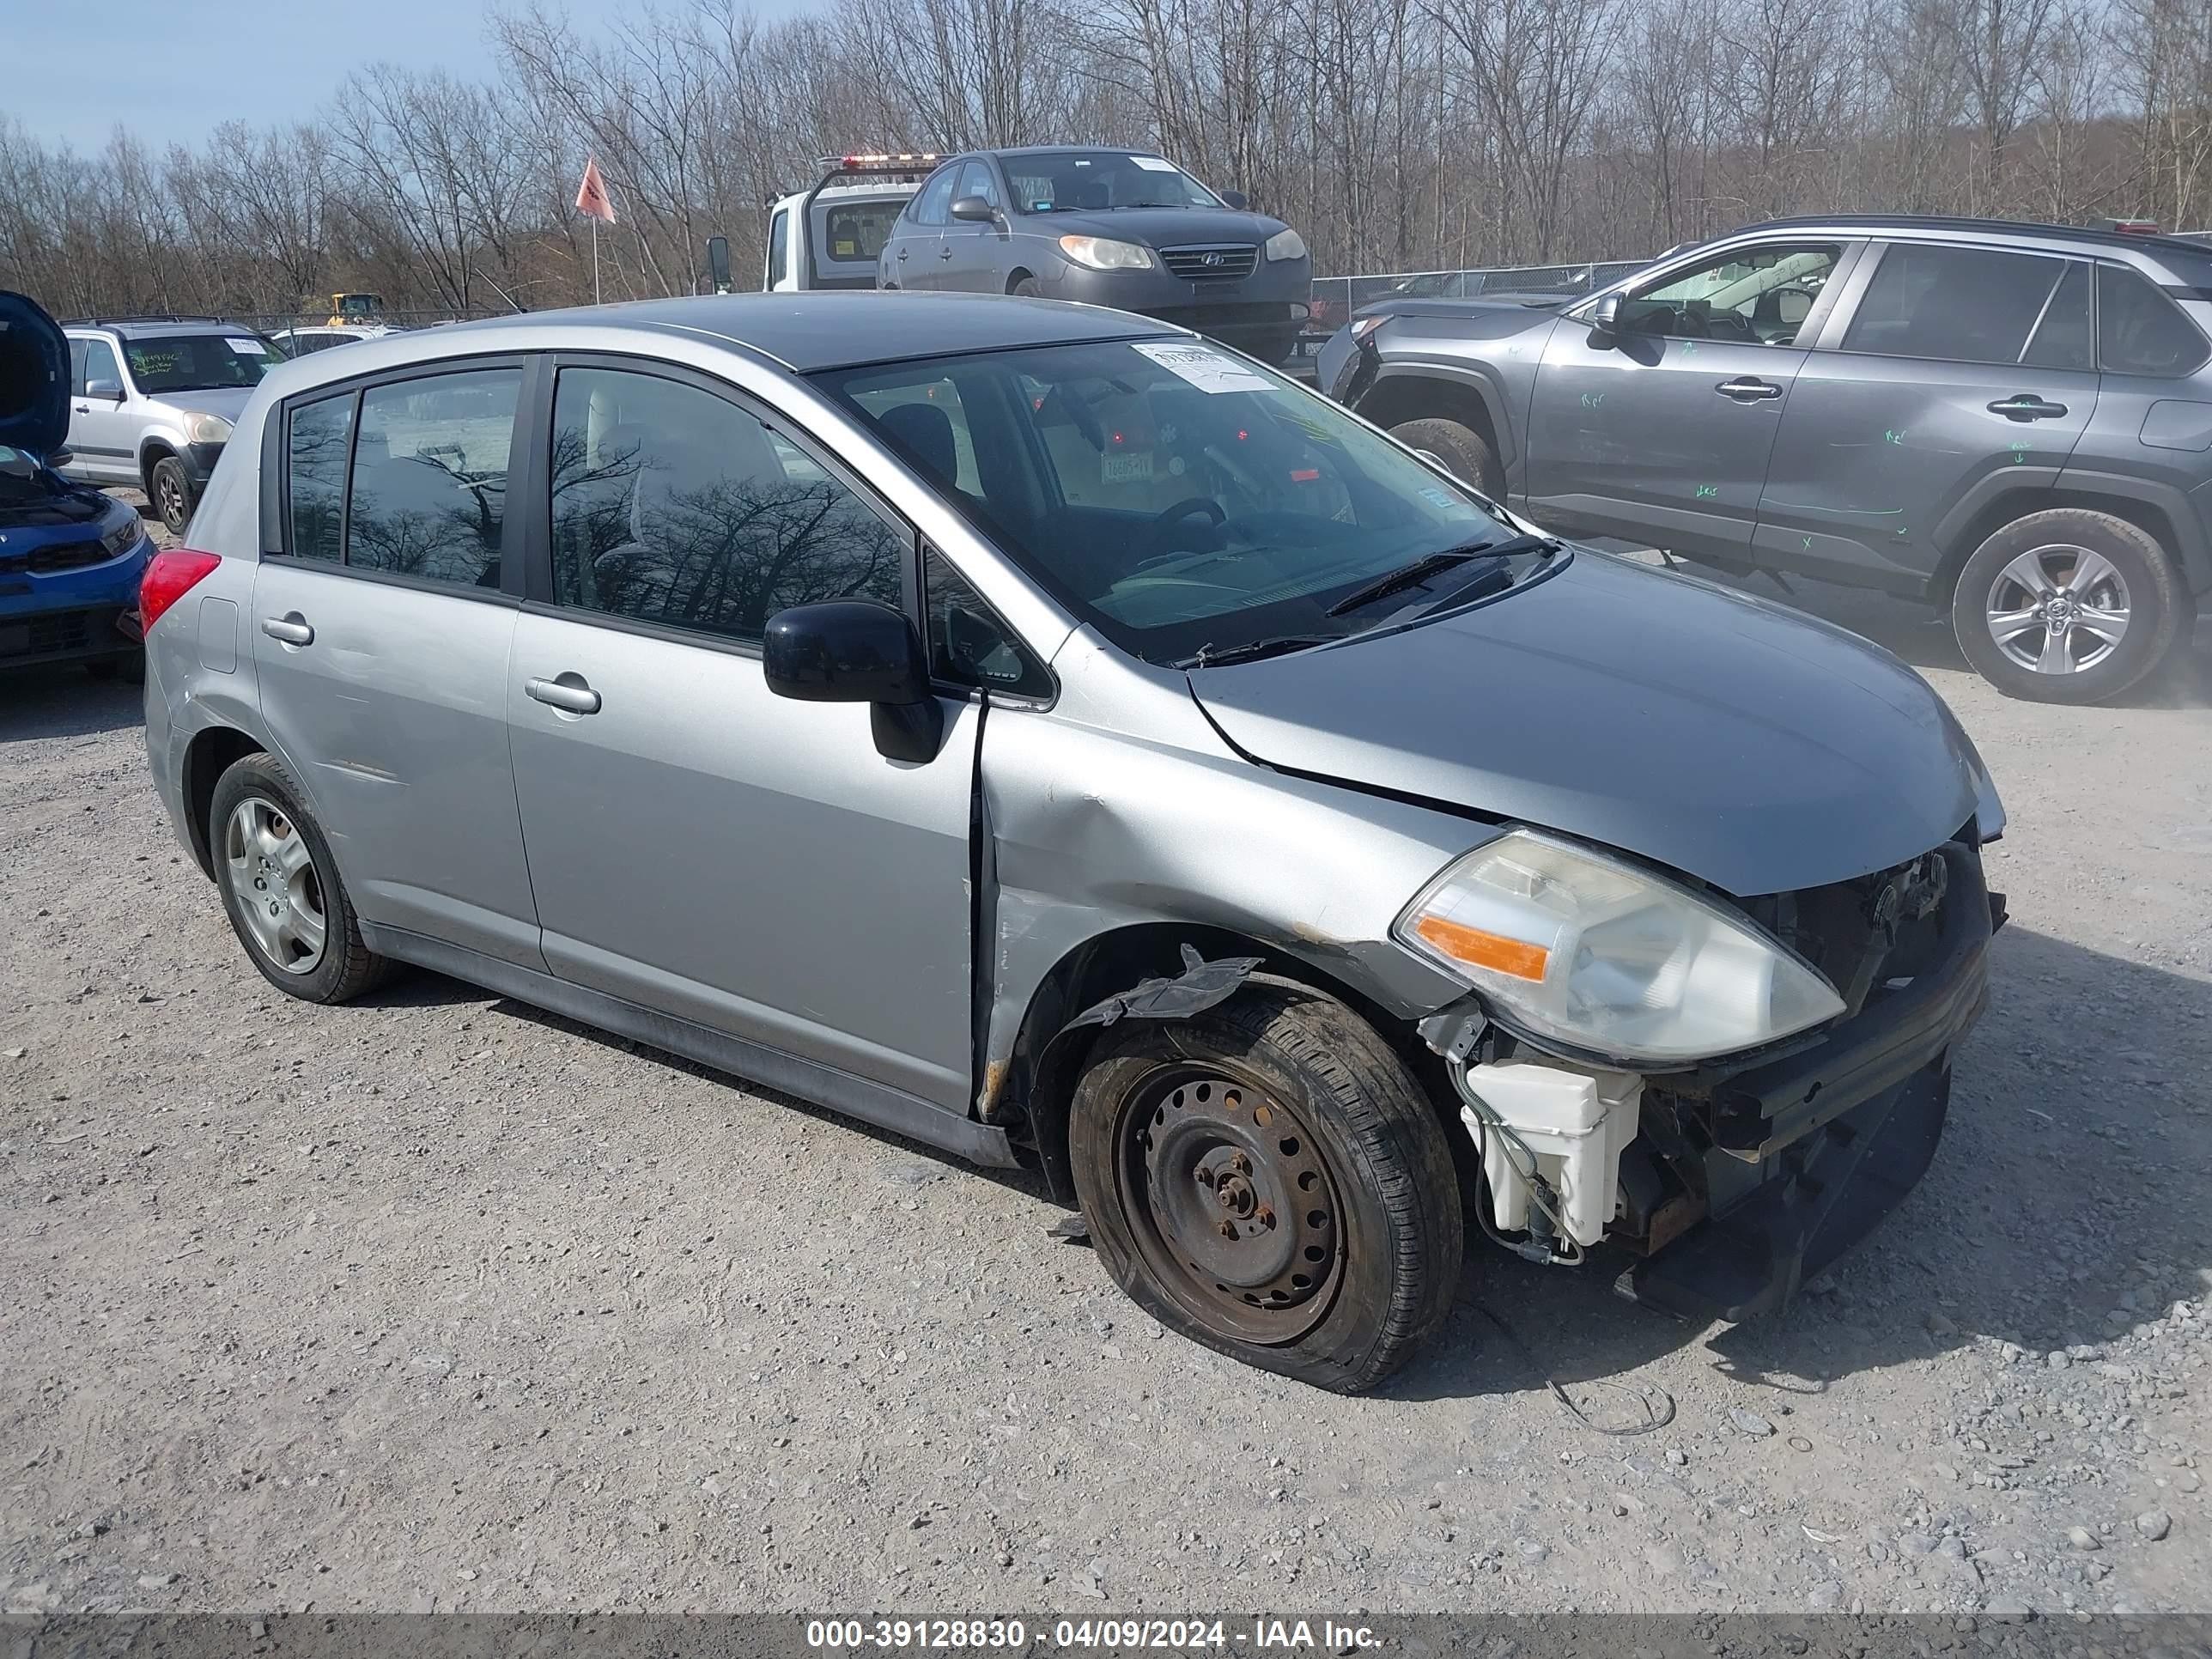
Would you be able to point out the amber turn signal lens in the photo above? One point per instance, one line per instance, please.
(1480, 950)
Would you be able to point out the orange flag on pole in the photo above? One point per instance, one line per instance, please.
(591, 195)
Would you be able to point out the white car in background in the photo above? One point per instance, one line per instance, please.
(321, 337)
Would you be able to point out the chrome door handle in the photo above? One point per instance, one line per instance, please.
(289, 630)
(2027, 406)
(577, 699)
(1745, 390)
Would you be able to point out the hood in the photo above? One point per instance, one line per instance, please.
(228, 401)
(1460, 319)
(1746, 745)
(34, 377)
(1159, 227)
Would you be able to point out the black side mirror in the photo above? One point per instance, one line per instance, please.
(1236, 198)
(718, 263)
(975, 209)
(857, 651)
(60, 457)
(1605, 323)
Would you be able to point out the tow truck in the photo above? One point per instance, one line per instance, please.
(847, 215)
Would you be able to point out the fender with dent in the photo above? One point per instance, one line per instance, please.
(1095, 838)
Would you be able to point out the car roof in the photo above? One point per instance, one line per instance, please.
(1067, 149)
(819, 329)
(1944, 225)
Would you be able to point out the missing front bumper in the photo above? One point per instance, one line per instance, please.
(1837, 1184)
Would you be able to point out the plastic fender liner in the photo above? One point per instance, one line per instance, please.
(1199, 985)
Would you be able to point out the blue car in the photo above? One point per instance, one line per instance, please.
(70, 557)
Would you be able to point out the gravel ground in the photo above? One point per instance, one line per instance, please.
(438, 1301)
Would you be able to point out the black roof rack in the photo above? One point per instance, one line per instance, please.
(2021, 227)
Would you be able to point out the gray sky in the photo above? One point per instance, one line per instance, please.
(173, 72)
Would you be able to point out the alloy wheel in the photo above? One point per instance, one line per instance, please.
(2059, 609)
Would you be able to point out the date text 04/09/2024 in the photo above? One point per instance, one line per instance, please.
(1262, 1634)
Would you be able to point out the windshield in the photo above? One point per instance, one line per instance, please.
(1095, 181)
(1180, 498)
(198, 362)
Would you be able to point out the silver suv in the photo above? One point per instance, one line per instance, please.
(153, 401)
(2010, 423)
(1042, 733)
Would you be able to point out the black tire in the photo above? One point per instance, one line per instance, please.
(2143, 578)
(130, 668)
(1028, 289)
(1345, 1173)
(1463, 451)
(345, 967)
(170, 489)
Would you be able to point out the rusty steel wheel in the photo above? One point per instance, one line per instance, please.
(1267, 1177)
(1231, 1201)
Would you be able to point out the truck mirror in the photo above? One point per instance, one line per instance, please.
(718, 263)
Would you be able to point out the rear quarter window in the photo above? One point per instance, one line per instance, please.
(2140, 330)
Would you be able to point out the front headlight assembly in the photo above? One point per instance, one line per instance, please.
(1604, 958)
(206, 429)
(1104, 253)
(1286, 244)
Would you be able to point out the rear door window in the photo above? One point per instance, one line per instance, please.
(2140, 330)
(428, 492)
(1972, 305)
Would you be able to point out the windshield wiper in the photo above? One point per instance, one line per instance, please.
(1413, 574)
(1213, 656)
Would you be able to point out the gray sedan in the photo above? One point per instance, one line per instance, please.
(1039, 732)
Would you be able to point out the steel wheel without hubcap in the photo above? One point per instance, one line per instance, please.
(1230, 1202)
(272, 875)
(2059, 609)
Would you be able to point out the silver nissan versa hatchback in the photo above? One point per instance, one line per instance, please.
(1039, 732)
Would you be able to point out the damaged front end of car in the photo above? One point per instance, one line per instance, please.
(1727, 1183)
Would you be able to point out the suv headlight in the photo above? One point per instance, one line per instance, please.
(1286, 244)
(1602, 956)
(1104, 253)
(206, 429)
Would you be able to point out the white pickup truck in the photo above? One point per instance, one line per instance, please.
(846, 218)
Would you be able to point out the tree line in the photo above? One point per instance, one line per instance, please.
(1396, 134)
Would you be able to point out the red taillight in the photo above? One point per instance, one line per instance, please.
(172, 573)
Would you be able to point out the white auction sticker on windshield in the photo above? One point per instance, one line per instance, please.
(1153, 164)
(1206, 368)
(244, 348)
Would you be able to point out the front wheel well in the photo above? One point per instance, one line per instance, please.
(1017, 276)
(1400, 397)
(1048, 1059)
(151, 456)
(2151, 520)
(210, 754)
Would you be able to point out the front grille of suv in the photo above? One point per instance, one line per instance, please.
(1205, 264)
